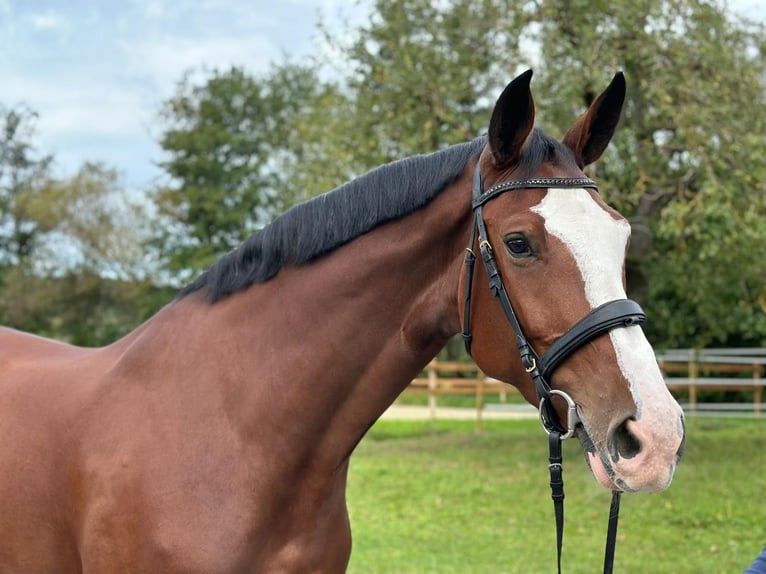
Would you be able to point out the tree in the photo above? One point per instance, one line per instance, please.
(92, 216)
(22, 170)
(230, 144)
(421, 73)
(242, 146)
(78, 306)
(312, 148)
(687, 165)
(73, 266)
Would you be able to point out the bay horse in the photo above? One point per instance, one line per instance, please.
(215, 438)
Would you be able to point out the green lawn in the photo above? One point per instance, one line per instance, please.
(436, 497)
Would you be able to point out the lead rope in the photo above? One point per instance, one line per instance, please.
(557, 489)
(611, 531)
(556, 468)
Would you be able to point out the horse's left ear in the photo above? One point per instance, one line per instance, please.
(591, 133)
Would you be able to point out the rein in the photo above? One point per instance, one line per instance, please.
(602, 319)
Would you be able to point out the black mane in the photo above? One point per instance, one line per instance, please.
(541, 148)
(318, 226)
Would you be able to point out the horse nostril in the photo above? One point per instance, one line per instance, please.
(623, 443)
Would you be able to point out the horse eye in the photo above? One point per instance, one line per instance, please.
(518, 246)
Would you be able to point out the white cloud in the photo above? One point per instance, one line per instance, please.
(164, 60)
(89, 119)
(154, 10)
(98, 76)
(7, 27)
(88, 108)
(755, 9)
(49, 20)
(251, 16)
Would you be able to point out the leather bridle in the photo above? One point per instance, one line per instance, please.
(611, 315)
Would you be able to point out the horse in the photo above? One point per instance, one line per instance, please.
(216, 437)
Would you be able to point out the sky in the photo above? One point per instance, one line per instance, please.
(97, 71)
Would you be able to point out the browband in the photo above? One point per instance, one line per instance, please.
(535, 182)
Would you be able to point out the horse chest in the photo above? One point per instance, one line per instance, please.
(234, 520)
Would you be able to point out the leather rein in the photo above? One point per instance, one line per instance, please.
(611, 315)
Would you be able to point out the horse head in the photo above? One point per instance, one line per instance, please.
(557, 250)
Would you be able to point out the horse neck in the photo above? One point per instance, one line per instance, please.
(334, 341)
(392, 291)
(349, 331)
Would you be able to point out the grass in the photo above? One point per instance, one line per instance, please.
(428, 497)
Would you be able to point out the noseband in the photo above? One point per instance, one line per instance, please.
(602, 319)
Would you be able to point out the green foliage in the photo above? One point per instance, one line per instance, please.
(94, 216)
(314, 150)
(79, 307)
(423, 75)
(709, 286)
(22, 170)
(75, 248)
(230, 143)
(428, 497)
(215, 143)
(687, 164)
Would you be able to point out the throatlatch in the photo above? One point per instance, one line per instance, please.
(601, 320)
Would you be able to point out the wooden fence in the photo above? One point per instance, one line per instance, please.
(688, 374)
(457, 378)
(692, 372)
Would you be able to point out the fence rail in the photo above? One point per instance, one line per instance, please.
(698, 370)
(442, 378)
(687, 372)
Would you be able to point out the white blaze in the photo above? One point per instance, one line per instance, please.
(597, 242)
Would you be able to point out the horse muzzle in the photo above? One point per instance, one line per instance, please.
(637, 455)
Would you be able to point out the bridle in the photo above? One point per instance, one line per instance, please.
(602, 319)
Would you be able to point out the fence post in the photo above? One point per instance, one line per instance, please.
(692, 379)
(432, 385)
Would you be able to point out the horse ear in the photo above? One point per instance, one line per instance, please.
(591, 133)
(512, 120)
